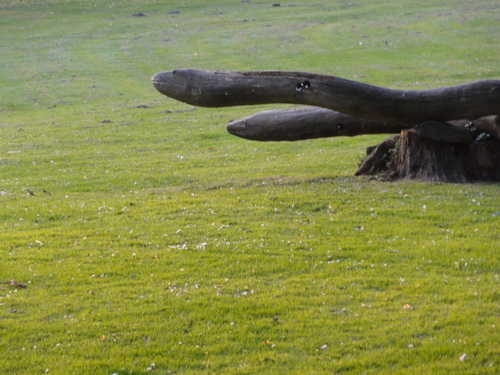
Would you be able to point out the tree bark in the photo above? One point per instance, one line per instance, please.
(424, 159)
(221, 89)
(411, 156)
(307, 123)
(379, 159)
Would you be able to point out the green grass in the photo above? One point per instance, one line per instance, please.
(155, 237)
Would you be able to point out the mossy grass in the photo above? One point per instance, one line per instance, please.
(149, 240)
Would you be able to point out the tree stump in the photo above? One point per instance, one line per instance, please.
(411, 156)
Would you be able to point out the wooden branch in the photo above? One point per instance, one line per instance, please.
(313, 122)
(307, 123)
(221, 89)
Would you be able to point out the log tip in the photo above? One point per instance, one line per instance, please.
(237, 128)
(161, 81)
(243, 128)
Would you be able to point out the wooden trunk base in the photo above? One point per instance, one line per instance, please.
(410, 156)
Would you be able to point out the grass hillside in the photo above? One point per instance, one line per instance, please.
(139, 237)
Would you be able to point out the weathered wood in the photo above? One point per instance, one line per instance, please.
(221, 89)
(411, 156)
(488, 124)
(307, 123)
(379, 159)
(482, 162)
(313, 122)
(444, 132)
(428, 160)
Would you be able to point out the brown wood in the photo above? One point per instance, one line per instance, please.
(424, 159)
(379, 159)
(444, 132)
(410, 156)
(220, 89)
(313, 122)
(488, 124)
(307, 123)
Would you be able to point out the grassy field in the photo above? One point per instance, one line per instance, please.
(153, 242)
